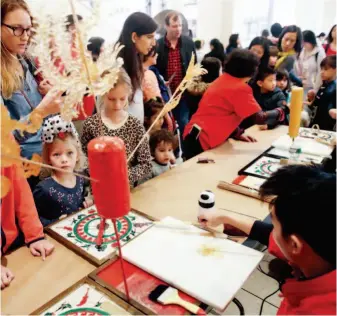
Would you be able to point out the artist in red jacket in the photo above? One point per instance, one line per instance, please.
(303, 233)
(20, 223)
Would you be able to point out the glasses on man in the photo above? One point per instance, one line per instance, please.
(18, 30)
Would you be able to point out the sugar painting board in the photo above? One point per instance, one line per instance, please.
(79, 231)
(140, 284)
(86, 298)
(262, 167)
(301, 157)
(313, 133)
(210, 269)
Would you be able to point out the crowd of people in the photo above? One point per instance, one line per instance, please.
(242, 87)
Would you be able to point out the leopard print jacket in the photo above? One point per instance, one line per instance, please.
(131, 133)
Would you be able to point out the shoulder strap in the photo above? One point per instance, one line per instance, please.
(316, 56)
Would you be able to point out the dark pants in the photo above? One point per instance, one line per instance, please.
(181, 114)
(191, 147)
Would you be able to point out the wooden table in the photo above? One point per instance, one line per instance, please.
(37, 281)
(176, 192)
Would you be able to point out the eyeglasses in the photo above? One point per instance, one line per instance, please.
(18, 30)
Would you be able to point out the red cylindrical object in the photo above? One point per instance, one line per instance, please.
(108, 165)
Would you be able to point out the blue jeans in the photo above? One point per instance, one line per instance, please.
(182, 114)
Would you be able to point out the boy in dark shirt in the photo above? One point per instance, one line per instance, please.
(269, 96)
(325, 99)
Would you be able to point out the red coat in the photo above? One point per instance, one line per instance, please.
(309, 297)
(18, 210)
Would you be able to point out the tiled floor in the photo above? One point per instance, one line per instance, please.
(256, 288)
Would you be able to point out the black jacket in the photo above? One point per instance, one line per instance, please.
(270, 101)
(187, 47)
(325, 101)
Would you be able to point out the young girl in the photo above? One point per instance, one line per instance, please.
(62, 193)
(283, 82)
(116, 121)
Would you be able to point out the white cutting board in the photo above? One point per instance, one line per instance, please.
(172, 256)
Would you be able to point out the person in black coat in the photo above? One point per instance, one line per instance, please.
(217, 51)
(269, 96)
(174, 55)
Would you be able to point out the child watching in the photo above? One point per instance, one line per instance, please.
(162, 143)
(283, 83)
(20, 222)
(269, 96)
(116, 121)
(325, 99)
(297, 192)
(225, 105)
(62, 193)
(152, 109)
(273, 55)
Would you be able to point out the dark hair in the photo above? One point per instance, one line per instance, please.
(259, 40)
(292, 29)
(281, 74)
(329, 62)
(94, 46)
(302, 191)
(276, 30)
(197, 44)
(212, 65)
(242, 63)
(162, 135)
(151, 108)
(141, 24)
(329, 37)
(321, 34)
(152, 53)
(172, 15)
(265, 33)
(309, 37)
(70, 20)
(233, 41)
(273, 51)
(218, 50)
(263, 73)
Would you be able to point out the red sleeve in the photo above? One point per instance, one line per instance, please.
(274, 249)
(245, 105)
(25, 210)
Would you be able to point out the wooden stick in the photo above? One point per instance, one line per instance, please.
(235, 212)
(241, 190)
(47, 166)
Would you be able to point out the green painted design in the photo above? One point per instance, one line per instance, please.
(84, 311)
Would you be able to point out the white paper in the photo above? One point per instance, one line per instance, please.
(174, 257)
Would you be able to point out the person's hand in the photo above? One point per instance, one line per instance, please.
(6, 277)
(88, 201)
(211, 219)
(311, 95)
(41, 248)
(44, 87)
(263, 127)
(51, 103)
(333, 113)
(246, 138)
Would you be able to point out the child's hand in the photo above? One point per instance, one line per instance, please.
(211, 219)
(88, 201)
(247, 138)
(6, 277)
(41, 248)
(263, 127)
(44, 87)
(333, 113)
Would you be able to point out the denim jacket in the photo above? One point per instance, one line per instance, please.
(20, 109)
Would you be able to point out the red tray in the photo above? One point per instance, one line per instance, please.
(140, 284)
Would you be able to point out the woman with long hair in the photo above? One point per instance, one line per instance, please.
(217, 51)
(330, 47)
(260, 47)
(234, 42)
(20, 92)
(138, 38)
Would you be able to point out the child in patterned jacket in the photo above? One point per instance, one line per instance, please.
(63, 192)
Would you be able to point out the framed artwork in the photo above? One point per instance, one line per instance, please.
(140, 284)
(79, 232)
(261, 167)
(86, 298)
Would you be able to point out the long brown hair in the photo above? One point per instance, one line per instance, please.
(11, 78)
